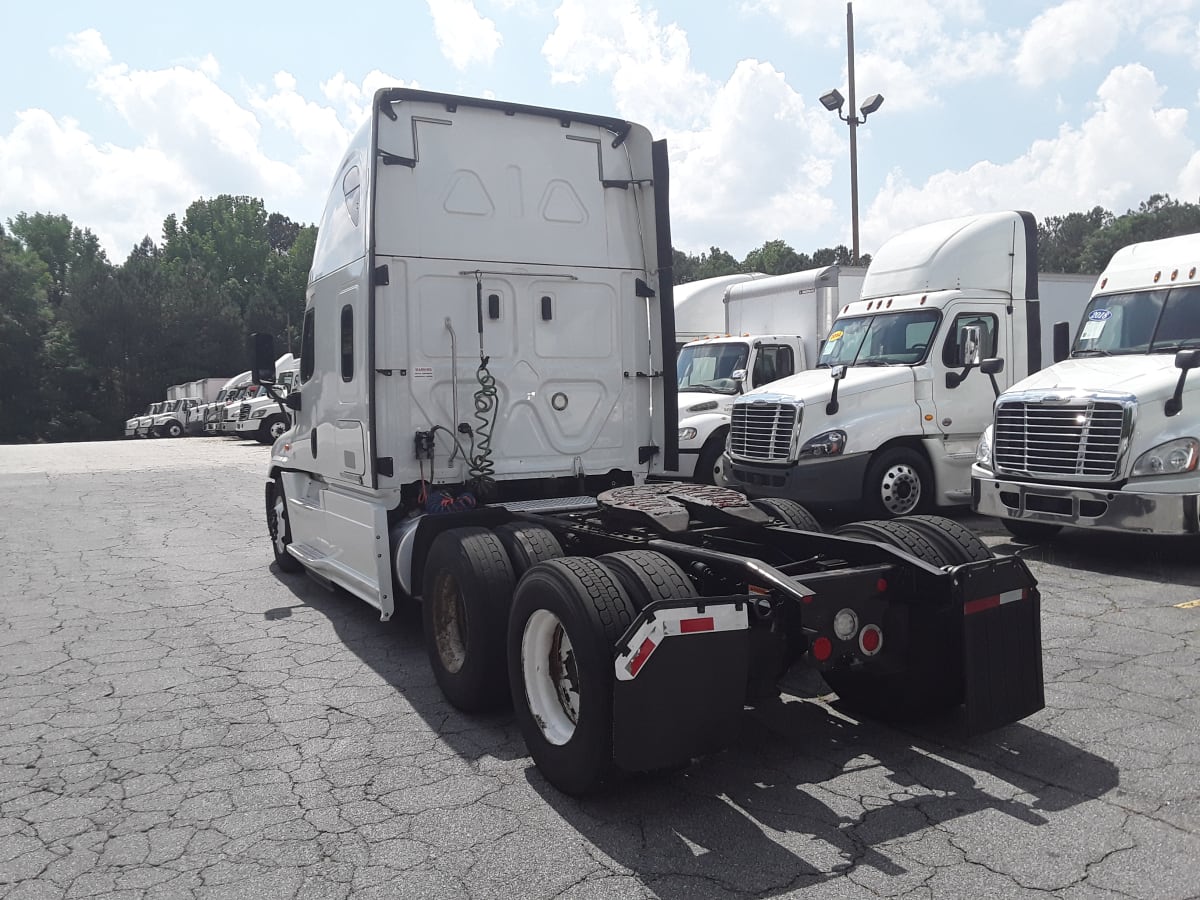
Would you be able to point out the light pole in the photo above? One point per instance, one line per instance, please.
(833, 101)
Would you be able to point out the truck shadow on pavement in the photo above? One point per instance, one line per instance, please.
(808, 795)
(805, 794)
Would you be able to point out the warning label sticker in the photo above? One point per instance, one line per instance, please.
(422, 371)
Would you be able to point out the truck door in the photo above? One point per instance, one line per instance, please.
(962, 412)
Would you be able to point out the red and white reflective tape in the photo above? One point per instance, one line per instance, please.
(983, 604)
(673, 623)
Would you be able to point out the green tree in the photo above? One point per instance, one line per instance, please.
(1155, 218)
(1061, 239)
(24, 320)
(776, 258)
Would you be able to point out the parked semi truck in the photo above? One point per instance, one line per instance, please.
(214, 413)
(485, 387)
(772, 329)
(888, 421)
(264, 418)
(1110, 437)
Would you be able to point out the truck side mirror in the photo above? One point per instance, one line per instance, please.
(1184, 360)
(837, 373)
(1062, 341)
(991, 368)
(292, 400)
(968, 351)
(262, 358)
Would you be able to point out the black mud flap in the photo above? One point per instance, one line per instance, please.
(680, 685)
(1002, 643)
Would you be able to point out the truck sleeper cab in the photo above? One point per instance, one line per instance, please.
(482, 396)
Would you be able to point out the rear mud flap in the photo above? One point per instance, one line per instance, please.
(681, 682)
(1002, 643)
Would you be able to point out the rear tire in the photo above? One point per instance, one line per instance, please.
(960, 542)
(567, 616)
(466, 593)
(898, 483)
(279, 527)
(648, 577)
(527, 545)
(1030, 532)
(790, 512)
(898, 534)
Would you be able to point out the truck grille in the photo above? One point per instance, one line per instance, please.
(1077, 438)
(244, 412)
(763, 431)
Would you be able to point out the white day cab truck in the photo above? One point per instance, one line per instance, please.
(485, 388)
(214, 413)
(144, 422)
(264, 418)
(1108, 438)
(772, 327)
(888, 421)
(700, 306)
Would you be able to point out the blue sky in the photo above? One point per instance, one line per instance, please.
(120, 113)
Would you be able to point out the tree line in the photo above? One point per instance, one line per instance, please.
(86, 343)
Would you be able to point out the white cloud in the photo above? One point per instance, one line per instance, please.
(749, 158)
(1115, 159)
(464, 36)
(1070, 34)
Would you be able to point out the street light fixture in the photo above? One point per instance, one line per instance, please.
(834, 101)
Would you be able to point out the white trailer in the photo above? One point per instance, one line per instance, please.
(484, 389)
(1108, 438)
(888, 421)
(772, 329)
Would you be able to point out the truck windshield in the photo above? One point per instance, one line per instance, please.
(887, 339)
(709, 368)
(1160, 321)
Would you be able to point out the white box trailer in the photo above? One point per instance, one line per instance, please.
(485, 387)
(1108, 438)
(773, 327)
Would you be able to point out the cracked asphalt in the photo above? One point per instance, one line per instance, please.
(178, 719)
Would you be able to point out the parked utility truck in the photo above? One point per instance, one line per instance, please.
(214, 413)
(888, 420)
(772, 329)
(1109, 438)
(485, 387)
(264, 418)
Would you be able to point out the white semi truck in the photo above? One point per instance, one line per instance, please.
(263, 417)
(888, 421)
(214, 413)
(772, 329)
(485, 387)
(1110, 437)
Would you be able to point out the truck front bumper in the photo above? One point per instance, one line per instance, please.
(831, 481)
(1085, 507)
(251, 425)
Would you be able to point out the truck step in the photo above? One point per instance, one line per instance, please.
(554, 505)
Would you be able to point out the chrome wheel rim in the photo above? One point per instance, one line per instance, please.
(900, 489)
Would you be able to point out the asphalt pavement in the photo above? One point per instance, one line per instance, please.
(179, 719)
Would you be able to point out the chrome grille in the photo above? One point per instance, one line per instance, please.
(762, 431)
(1079, 438)
(244, 413)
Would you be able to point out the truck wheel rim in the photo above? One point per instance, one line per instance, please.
(900, 489)
(280, 513)
(449, 623)
(551, 676)
(277, 429)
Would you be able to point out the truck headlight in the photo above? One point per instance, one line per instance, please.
(983, 450)
(706, 406)
(1171, 458)
(687, 434)
(258, 414)
(827, 443)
